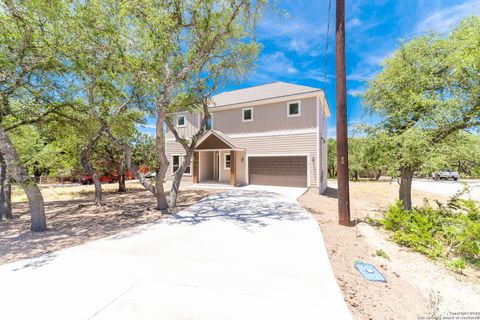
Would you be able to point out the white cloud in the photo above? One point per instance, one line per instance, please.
(276, 63)
(362, 74)
(273, 66)
(377, 59)
(356, 92)
(301, 36)
(292, 70)
(370, 65)
(442, 20)
(354, 23)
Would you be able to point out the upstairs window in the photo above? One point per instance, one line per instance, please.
(227, 161)
(209, 124)
(180, 121)
(293, 109)
(247, 114)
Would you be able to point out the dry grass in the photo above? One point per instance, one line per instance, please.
(67, 192)
(369, 198)
(72, 219)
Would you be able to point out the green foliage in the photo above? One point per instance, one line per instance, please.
(332, 158)
(144, 151)
(413, 229)
(426, 93)
(457, 265)
(459, 152)
(365, 158)
(30, 66)
(452, 229)
(382, 253)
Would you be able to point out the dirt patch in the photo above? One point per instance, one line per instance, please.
(415, 285)
(76, 221)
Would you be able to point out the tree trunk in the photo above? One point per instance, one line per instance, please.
(405, 191)
(121, 183)
(17, 171)
(162, 203)
(8, 199)
(5, 191)
(120, 168)
(121, 175)
(355, 173)
(378, 175)
(178, 178)
(88, 168)
(130, 165)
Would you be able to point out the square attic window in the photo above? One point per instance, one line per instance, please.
(181, 121)
(247, 114)
(293, 109)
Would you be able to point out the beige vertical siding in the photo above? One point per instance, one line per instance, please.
(174, 148)
(290, 144)
(206, 165)
(268, 117)
(264, 136)
(224, 173)
(324, 154)
(192, 122)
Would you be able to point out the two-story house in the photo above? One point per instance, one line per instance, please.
(272, 134)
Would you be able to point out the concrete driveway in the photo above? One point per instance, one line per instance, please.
(242, 254)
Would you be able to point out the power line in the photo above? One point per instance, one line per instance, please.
(326, 46)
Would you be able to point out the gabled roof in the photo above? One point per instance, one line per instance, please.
(214, 139)
(262, 92)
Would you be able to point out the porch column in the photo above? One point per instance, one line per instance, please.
(195, 175)
(233, 169)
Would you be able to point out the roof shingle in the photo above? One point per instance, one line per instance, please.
(262, 92)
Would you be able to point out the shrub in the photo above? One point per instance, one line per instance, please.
(382, 253)
(456, 265)
(452, 229)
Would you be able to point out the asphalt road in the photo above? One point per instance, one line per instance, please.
(448, 188)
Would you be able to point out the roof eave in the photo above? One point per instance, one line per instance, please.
(289, 97)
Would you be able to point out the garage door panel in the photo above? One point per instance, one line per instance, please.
(278, 171)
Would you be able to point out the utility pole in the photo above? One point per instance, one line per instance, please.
(341, 106)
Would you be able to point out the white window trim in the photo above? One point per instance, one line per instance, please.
(191, 160)
(243, 114)
(299, 109)
(225, 161)
(211, 123)
(184, 121)
(180, 160)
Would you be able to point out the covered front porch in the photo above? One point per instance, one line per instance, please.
(217, 160)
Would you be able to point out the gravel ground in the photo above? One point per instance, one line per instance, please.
(72, 219)
(416, 286)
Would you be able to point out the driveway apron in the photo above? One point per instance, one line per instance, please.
(240, 254)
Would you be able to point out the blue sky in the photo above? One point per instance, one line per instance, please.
(294, 46)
